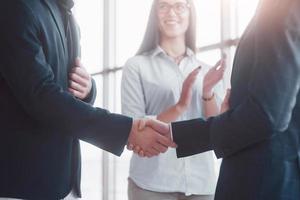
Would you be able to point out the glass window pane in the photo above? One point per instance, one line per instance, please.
(91, 49)
(122, 173)
(227, 75)
(245, 11)
(118, 91)
(131, 19)
(115, 91)
(111, 92)
(99, 84)
(91, 178)
(89, 15)
(210, 57)
(208, 22)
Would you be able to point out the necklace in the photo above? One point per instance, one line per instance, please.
(177, 59)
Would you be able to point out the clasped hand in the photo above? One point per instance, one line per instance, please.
(149, 137)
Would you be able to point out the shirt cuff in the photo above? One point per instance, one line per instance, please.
(151, 116)
(171, 132)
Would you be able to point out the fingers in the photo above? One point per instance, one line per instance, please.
(218, 63)
(142, 124)
(137, 149)
(148, 140)
(158, 126)
(195, 71)
(130, 147)
(141, 154)
(77, 90)
(156, 149)
(77, 94)
(80, 71)
(153, 152)
(78, 62)
(160, 148)
(186, 93)
(164, 136)
(75, 86)
(150, 152)
(166, 141)
(78, 79)
(148, 155)
(220, 66)
(192, 76)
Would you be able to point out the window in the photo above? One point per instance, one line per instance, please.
(130, 28)
(111, 32)
(88, 12)
(208, 22)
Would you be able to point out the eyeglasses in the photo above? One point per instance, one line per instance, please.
(178, 8)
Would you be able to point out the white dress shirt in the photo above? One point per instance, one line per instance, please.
(151, 83)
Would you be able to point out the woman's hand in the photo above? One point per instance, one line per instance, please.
(187, 89)
(212, 77)
(225, 103)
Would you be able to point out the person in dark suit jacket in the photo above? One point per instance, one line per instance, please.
(259, 136)
(42, 114)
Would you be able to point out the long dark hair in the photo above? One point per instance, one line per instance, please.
(151, 37)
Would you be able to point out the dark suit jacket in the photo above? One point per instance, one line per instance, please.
(258, 138)
(40, 122)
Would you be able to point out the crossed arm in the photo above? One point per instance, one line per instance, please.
(28, 74)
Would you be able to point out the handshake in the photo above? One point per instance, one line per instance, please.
(149, 137)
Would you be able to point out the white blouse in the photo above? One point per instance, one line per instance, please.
(151, 83)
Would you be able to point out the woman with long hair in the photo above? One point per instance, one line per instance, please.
(167, 82)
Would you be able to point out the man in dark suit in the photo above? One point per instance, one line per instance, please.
(42, 113)
(259, 136)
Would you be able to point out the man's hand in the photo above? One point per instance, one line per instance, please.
(80, 81)
(158, 127)
(150, 140)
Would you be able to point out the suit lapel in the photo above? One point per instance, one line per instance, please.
(54, 10)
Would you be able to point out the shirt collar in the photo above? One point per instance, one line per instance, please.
(159, 51)
(189, 52)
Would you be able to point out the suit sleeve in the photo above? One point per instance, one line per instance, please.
(272, 91)
(31, 80)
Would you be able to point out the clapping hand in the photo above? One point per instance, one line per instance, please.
(187, 89)
(212, 77)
